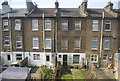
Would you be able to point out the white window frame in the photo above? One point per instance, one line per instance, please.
(47, 25)
(64, 25)
(6, 23)
(48, 38)
(107, 39)
(19, 41)
(64, 39)
(95, 39)
(94, 58)
(75, 40)
(34, 24)
(77, 25)
(19, 57)
(95, 25)
(78, 60)
(36, 56)
(6, 40)
(105, 56)
(35, 38)
(109, 24)
(17, 25)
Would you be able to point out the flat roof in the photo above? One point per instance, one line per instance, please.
(15, 73)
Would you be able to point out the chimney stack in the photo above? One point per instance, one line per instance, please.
(56, 4)
(6, 7)
(109, 6)
(83, 7)
(30, 5)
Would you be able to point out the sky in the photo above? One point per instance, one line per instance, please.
(62, 3)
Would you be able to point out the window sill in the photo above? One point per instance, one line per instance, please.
(18, 47)
(48, 48)
(77, 48)
(5, 30)
(107, 49)
(95, 30)
(17, 30)
(107, 30)
(64, 48)
(94, 61)
(35, 48)
(94, 49)
(47, 29)
(35, 30)
(6, 45)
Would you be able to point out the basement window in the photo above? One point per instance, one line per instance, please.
(18, 56)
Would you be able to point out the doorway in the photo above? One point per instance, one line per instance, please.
(64, 60)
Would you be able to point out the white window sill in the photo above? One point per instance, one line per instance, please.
(35, 48)
(47, 48)
(5, 30)
(107, 49)
(107, 30)
(77, 48)
(6, 45)
(18, 47)
(94, 49)
(64, 48)
(95, 30)
(47, 29)
(34, 29)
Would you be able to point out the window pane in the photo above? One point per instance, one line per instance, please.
(95, 25)
(5, 25)
(64, 42)
(76, 59)
(94, 58)
(35, 42)
(19, 42)
(107, 43)
(77, 42)
(6, 40)
(107, 25)
(18, 56)
(17, 24)
(77, 25)
(94, 42)
(47, 42)
(36, 56)
(34, 24)
(47, 24)
(64, 24)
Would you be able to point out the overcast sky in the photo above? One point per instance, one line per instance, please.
(62, 3)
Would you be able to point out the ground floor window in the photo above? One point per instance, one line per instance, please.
(47, 58)
(104, 57)
(94, 58)
(18, 56)
(76, 59)
(36, 56)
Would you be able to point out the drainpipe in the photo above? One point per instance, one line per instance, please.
(101, 38)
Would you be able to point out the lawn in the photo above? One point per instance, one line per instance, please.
(73, 74)
(79, 74)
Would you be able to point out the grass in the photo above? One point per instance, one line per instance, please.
(79, 74)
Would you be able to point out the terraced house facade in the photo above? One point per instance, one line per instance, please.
(73, 35)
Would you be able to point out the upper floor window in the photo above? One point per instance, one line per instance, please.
(5, 25)
(18, 56)
(35, 42)
(77, 25)
(95, 25)
(94, 42)
(77, 42)
(6, 41)
(64, 43)
(107, 25)
(47, 42)
(17, 24)
(34, 24)
(106, 43)
(48, 24)
(65, 25)
(18, 42)
(36, 56)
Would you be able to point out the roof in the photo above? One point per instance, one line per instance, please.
(50, 12)
(15, 73)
